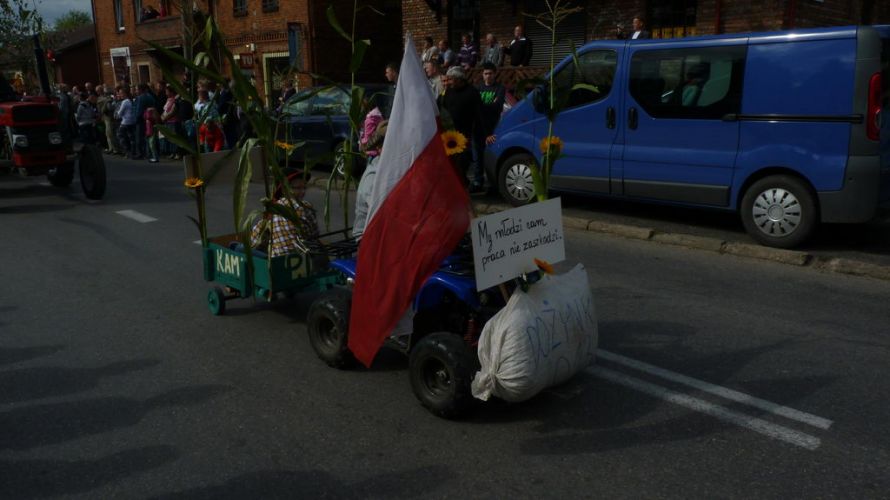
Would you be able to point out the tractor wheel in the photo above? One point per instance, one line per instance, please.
(441, 368)
(328, 325)
(62, 175)
(92, 172)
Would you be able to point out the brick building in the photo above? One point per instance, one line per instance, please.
(665, 18)
(266, 37)
(74, 54)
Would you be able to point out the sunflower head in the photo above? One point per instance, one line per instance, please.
(551, 144)
(285, 146)
(544, 266)
(454, 141)
(193, 182)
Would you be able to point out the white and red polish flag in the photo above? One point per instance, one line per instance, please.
(418, 212)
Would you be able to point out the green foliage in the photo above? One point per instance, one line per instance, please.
(72, 20)
(556, 98)
(19, 20)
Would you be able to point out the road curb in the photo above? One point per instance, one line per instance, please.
(793, 257)
(707, 243)
(690, 241)
(856, 268)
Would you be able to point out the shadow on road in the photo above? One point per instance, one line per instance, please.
(40, 425)
(10, 355)
(591, 415)
(42, 478)
(41, 382)
(418, 482)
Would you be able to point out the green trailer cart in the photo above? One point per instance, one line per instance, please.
(225, 263)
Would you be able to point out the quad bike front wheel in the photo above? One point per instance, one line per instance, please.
(441, 368)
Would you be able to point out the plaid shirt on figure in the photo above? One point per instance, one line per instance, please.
(287, 237)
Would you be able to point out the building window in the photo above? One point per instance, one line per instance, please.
(239, 8)
(702, 83)
(672, 18)
(144, 73)
(118, 15)
(270, 5)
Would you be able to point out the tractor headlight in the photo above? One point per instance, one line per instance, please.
(20, 140)
(55, 138)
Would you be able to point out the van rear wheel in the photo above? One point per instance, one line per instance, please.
(515, 180)
(779, 211)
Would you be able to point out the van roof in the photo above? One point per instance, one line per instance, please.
(836, 32)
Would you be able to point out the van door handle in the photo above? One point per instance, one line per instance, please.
(610, 117)
(632, 118)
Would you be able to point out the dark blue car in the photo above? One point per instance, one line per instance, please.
(319, 116)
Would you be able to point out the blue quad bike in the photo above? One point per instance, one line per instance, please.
(449, 316)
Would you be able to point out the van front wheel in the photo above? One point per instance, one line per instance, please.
(779, 211)
(515, 180)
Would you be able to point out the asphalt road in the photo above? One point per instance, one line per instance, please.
(717, 376)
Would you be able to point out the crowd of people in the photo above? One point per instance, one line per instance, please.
(469, 55)
(125, 120)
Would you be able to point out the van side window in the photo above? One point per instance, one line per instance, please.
(697, 83)
(595, 68)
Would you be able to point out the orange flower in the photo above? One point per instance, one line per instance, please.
(285, 146)
(545, 266)
(454, 141)
(193, 182)
(551, 143)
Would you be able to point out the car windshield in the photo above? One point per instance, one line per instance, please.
(299, 104)
(331, 102)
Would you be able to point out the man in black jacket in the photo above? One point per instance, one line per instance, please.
(463, 105)
(520, 48)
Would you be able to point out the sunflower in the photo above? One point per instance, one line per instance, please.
(545, 266)
(193, 182)
(551, 143)
(285, 146)
(454, 141)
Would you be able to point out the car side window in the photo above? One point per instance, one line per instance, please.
(595, 69)
(696, 83)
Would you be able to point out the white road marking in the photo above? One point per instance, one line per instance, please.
(748, 422)
(45, 184)
(136, 216)
(197, 242)
(739, 397)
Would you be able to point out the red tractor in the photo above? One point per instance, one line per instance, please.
(32, 142)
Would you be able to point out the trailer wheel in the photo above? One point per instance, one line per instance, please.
(216, 300)
(441, 369)
(62, 175)
(92, 172)
(328, 325)
(779, 211)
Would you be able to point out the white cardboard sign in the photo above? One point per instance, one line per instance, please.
(505, 244)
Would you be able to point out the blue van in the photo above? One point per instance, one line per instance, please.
(782, 127)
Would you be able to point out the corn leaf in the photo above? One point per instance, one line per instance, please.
(332, 20)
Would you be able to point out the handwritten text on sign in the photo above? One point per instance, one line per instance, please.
(505, 244)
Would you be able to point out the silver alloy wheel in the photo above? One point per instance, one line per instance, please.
(777, 212)
(519, 182)
(340, 160)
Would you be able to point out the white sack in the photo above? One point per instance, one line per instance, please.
(539, 339)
